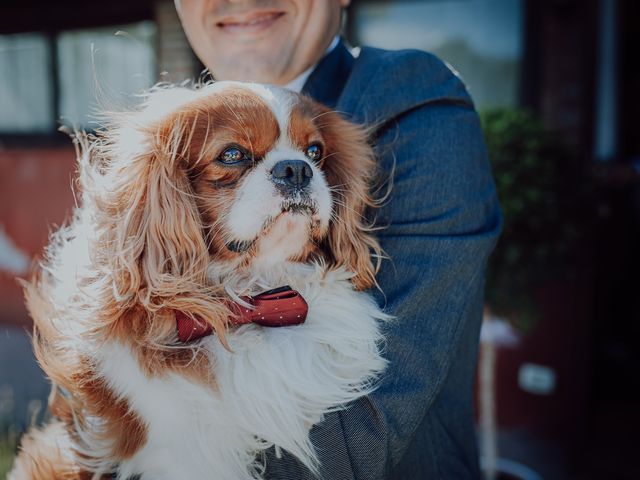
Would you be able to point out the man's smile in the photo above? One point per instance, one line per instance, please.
(253, 22)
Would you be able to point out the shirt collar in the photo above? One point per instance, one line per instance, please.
(297, 83)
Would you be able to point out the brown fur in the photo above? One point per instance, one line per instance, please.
(44, 455)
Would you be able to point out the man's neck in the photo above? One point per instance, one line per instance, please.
(297, 83)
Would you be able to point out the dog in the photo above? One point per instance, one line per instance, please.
(207, 300)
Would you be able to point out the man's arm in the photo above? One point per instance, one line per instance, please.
(443, 219)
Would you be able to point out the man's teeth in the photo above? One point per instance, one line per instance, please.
(260, 20)
(255, 21)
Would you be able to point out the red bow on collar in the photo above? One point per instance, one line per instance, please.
(279, 307)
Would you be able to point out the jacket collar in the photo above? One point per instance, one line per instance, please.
(326, 82)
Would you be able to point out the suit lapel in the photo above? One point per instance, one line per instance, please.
(326, 82)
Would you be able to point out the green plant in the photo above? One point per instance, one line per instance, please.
(8, 449)
(540, 193)
(11, 427)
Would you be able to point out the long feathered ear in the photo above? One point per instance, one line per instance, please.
(159, 255)
(350, 168)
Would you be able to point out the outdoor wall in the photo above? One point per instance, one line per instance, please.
(176, 61)
(36, 189)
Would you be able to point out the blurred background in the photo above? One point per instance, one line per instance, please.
(557, 87)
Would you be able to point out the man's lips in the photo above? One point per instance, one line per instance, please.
(249, 23)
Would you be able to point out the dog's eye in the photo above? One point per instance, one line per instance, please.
(314, 152)
(232, 155)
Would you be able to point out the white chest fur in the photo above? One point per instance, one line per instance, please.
(272, 387)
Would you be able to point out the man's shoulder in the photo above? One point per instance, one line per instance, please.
(386, 83)
(411, 59)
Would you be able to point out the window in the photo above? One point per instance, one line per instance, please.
(25, 92)
(481, 39)
(46, 80)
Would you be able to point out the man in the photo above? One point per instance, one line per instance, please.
(441, 223)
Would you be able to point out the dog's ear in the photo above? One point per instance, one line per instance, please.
(160, 255)
(350, 167)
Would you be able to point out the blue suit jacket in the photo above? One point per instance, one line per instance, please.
(442, 222)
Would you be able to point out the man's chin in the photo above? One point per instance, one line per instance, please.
(258, 65)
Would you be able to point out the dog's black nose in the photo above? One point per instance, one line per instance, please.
(292, 173)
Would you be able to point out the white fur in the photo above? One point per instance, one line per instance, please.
(286, 238)
(272, 387)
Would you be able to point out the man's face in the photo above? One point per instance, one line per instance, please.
(268, 41)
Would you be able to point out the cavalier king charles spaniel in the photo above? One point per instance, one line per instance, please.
(207, 218)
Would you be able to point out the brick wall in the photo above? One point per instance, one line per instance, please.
(176, 60)
(36, 196)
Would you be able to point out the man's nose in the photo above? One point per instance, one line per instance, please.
(292, 173)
